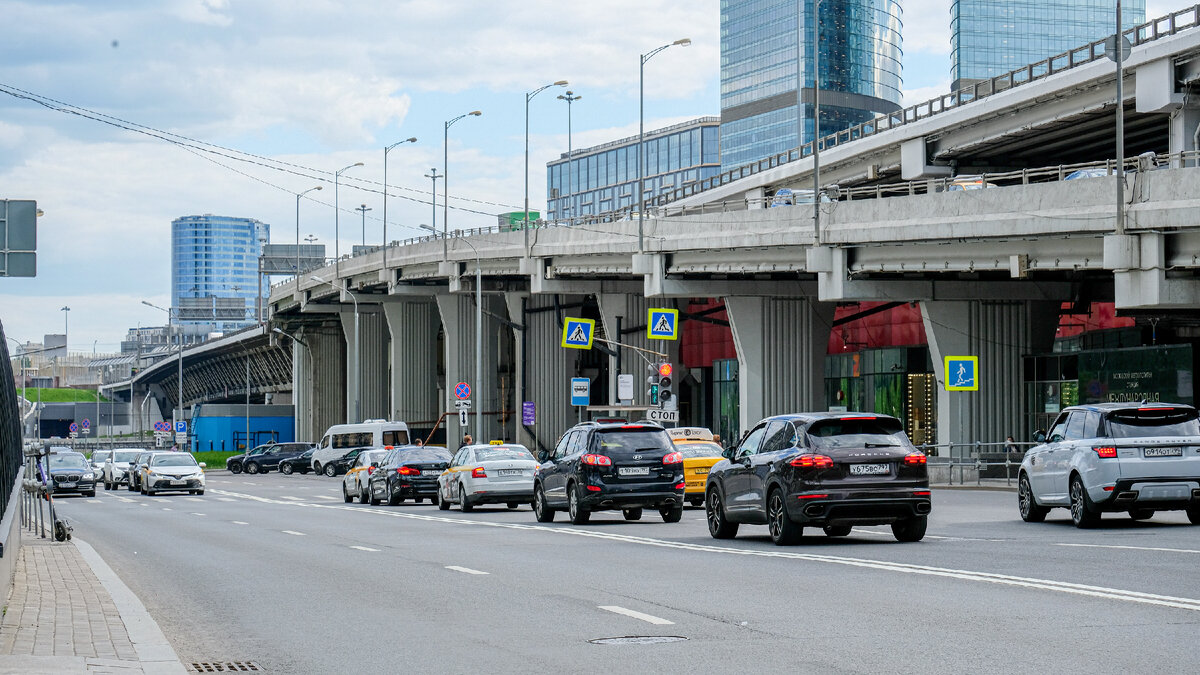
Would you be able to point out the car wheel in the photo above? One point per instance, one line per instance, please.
(235, 468)
(910, 530)
(107, 485)
(130, 485)
(346, 495)
(1083, 514)
(671, 514)
(200, 492)
(783, 531)
(1193, 515)
(90, 493)
(1141, 514)
(1030, 511)
(837, 530)
(330, 470)
(363, 497)
(252, 468)
(696, 501)
(718, 526)
(541, 511)
(442, 502)
(375, 501)
(579, 515)
(463, 503)
(632, 514)
(286, 469)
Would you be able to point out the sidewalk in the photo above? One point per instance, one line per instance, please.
(68, 612)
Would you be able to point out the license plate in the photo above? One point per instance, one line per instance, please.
(870, 469)
(1163, 452)
(66, 485)
(509, 472)
(179, 482)
(701, 470)
(431, 472)
(633, 471)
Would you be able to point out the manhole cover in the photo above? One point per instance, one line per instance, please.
(225, 667)
(638, 640)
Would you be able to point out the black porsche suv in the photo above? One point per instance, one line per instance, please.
(597, 467)
(827, 470)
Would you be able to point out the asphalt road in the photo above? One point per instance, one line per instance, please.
(278, 570)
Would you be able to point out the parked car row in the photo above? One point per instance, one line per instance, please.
(266, 457)
(151, 471)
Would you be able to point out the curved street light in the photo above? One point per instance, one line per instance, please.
(641, 206)
(570, 97)
(529, 97)
(337, 211)
(446, 173)
(298, 196)
(386, 150)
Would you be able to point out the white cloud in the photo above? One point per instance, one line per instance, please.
(927, 26)
(209, 12)
(923, 94)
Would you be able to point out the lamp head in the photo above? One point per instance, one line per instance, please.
(411, 140)
(683, 42)
(476, 113)
(318, 188)
(560, 83)
(357, 164)
(428, 227)
(316, 279)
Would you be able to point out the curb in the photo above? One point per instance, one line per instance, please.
(154, 651)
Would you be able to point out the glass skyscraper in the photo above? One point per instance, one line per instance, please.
(859, 79)
(214, 271)
(992, 37)
(604, 178)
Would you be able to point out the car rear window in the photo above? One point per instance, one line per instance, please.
(124, 456)
(698, 450)
(423, 454)
(489, 454)
(857, 432)
(631, 440)
(1144, 422)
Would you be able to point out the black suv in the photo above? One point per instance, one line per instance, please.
(597, 467)
(265, 457)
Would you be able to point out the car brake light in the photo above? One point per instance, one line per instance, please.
(370, 470)
(921, 493)
(593, 488)
(915, 459)
(408, 471)
(1106, 451)
(597, 460)
(679, 486)
(843, 419)
(478, 472)
(820, 496)
(673, 458)
(812, 462)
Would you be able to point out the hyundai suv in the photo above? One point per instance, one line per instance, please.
(597, 467)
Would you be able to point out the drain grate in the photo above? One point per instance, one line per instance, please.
(638, 640)
(225, 667)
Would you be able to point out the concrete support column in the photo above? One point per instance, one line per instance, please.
(633, 310)
(544, 368)
(795, 333)
(1183, 128)
(1000, 333)
(319, 373)
(413, 325)
(458, 323)
(1139, 263)
(372, 376)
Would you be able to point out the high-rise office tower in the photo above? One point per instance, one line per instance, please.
(214, 271)
(860, 53)
(992, 37)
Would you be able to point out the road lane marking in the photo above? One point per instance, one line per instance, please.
(648, 618)
(127, 500)
(465, 570)
(143, 505)
(326, 497)
(1133, 548)
(365, 548)
(193, 499)
(239, 522)
(295, 499)
(298, 534)
(1190, 604)
(197, 514)
(250, 483)
(226, 499)
(166, 508)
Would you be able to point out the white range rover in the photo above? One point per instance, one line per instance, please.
(1136, 458)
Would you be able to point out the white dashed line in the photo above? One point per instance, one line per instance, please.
(125, 499)
(648, 618)
(364, 548)
(197, 514)
(326, 497)
(298, 534)
(250, 483)
(295, 499)
(226, 499)
(239, 522)
(1133, 548)
(193, 499)
(464, 570)
(167, 508)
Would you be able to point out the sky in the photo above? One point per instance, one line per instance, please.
(311, 86)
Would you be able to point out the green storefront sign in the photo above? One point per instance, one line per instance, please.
(1159, 373)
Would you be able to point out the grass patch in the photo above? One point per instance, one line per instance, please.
(214, 459)
(59, 395)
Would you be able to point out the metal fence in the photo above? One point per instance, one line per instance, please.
(975, 462)
(10, 427)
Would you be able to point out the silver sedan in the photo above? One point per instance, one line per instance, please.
(488, 474)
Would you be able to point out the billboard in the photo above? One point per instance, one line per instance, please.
(515, 220)
(18, 238)
(281, 258)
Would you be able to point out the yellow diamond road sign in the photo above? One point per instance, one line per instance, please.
(577, 333)
(662, 324)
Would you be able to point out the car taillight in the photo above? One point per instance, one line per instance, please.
(1106, 451)
(597, 460)
(370, 470)
(812, 462)
(679, 486)
(478, 472)
(820, 496)
(921, 493)
(673, 458)
(915, 459)
(594, 488)
(408, 471)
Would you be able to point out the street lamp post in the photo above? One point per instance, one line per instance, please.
(337, 252)
(570, 98)
(1119, 48)
(386, 150)
(298, 196)
(433, 175)
(446, 179)
(816, 140)
(641, 206)
(66, 341)
(354, 355)
(174, 419)
(296, 415)
(529, 97)
(363, 210)
(478, 336)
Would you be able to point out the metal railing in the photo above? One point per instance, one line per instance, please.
(971, 461)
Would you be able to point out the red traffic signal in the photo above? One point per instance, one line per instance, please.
(664, 369)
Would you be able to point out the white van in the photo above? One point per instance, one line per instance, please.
(340, 438)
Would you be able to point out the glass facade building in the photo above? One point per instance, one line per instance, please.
(604, 178)
(860, 71)
(214, 271)
(992, 37)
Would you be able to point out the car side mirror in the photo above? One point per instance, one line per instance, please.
(727, 453)
(203, 465)
(1039, 437)
(1056, 438)
(542, 456)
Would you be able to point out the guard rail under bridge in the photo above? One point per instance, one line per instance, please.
(219, 371)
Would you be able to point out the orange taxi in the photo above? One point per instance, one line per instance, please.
(700, 452)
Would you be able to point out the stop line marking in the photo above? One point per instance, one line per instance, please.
(648, 618)
(1190, 604)
(465, 570)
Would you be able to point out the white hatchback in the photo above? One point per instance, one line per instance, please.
(488, 474)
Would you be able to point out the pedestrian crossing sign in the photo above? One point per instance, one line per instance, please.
(662, 324)
(577, 333)
(962, 373)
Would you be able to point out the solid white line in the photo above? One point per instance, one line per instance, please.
(298, 534)
(326, 497)
(239, 522)
(648, 618)
(295, 499)
(1133, 548)
(225, 499)
(197, 514)
(364, 548)
(464, 570)
(1190, 604)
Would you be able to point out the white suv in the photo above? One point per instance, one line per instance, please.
(1130, 457)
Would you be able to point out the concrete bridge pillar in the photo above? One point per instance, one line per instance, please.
(413, 324)
(781, 345)
(319, 374)
(458, 324)
(999, 333)
(371, 378)
(543, 367)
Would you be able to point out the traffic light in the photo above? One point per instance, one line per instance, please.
(653, 381)
(666, 396)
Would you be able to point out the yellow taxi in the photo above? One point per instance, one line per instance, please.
(700, 452)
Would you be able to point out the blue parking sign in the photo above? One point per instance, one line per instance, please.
(662, 324)
(962, 373)
(181, 427)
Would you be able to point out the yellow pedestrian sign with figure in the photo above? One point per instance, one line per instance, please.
(962, 373)
(662, 324)
(578, 333)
